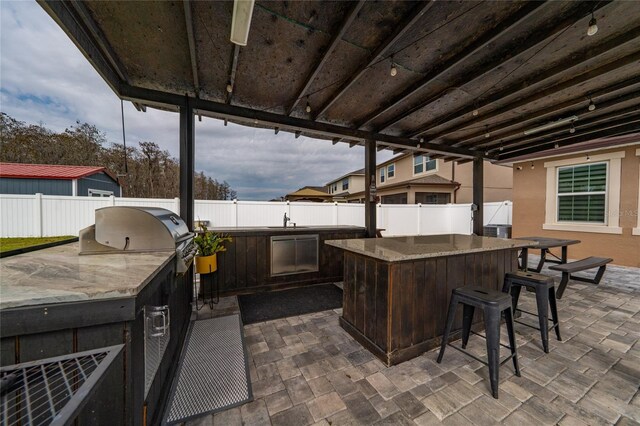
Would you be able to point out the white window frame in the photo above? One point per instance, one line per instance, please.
(636, 230)
(612, 199)
(345, 181)
(382, 174)
(101, 192)
(424, 166)
(391, 168)
(605, 193)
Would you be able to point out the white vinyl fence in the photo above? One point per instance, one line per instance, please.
(48, 215)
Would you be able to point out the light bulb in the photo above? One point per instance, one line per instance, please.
(572, 129)
(591, 106)
(588, 158)
(557, 145)
(501, 148)
(229, 88)
(394, 70)
(487, 135)
(532, 166)
(308, 108)
(475, 112)
(593, 26)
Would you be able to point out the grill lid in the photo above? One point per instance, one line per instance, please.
(139, 228)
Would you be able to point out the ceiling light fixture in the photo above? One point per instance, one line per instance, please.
(591, 106)
(394, 70)
(241, 21)
(593, 26)
(551, 125)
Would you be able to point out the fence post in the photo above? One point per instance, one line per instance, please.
(112, 200)
(38, 214)
(419, 218)
(335, 213)
(176, 205)
(235, 211)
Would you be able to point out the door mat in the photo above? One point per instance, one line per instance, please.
(272, 305)
(213, 374)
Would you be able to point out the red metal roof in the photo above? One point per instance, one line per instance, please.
(47, 171)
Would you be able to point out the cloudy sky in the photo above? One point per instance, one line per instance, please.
(45, 79)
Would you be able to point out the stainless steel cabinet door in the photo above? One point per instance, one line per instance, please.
(307, 254)
(283, 256)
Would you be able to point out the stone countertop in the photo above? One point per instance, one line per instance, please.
(59, 274)
(398, 249)
(273, 230)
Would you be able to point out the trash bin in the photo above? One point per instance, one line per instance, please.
(497, 230)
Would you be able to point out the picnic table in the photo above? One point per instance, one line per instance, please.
(544, 244)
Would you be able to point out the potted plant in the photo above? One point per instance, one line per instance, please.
(209, 244)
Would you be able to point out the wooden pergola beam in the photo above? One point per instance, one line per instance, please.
(192, 45)
(503, 27)
(585, 55)
(541, 94)
(353, 13)
(580, 101)
(616, 130)
(414, 16)
(584, 117)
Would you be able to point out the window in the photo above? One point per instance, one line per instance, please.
(391, 170)
(433, 198)
(422, 163)
(382, 175)
(345, 184)
(99, 193)
(582, 193)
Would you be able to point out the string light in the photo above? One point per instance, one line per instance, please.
(308, 109)
(593, 26)
(501, 148)
(393, 71)
(229, 88)
(532, 166)
(557, 145)
(591, 106)
(572, 129)
(486, 129)
(588, 158)
(475, 112)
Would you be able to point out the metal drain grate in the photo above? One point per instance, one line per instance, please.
(52, 391)
(214, 373)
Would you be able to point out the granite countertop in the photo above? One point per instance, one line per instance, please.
(397, 249)
(59, 274)
(288, 229)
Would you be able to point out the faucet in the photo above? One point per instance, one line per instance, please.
(285, 220)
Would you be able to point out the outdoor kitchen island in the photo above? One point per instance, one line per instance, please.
(397, 289)
(57, 302)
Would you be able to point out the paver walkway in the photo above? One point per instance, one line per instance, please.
(306, 370)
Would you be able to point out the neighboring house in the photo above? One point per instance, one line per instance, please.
(91, 181)
(409, 179)
(309, 193)
(343, 188)
(592, 195)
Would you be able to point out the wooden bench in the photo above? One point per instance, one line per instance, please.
(580, 265)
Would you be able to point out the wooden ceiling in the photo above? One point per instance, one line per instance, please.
(471, 76)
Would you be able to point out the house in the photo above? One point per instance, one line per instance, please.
(347, 186)
(88, 181)
(589, 192)
(414, 179)
(309, 193)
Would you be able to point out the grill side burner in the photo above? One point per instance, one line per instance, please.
(123, 229)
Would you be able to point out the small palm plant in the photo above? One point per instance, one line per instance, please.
(209, 244)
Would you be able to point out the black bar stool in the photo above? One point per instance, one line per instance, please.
(545, 290)
(493, 303)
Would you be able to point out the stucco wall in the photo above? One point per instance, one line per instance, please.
(529, 203)
(498, 182)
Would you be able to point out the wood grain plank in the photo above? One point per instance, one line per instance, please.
(348, 290)
(359, 293)
(395, 303)
(241, 262)
(370, 298)
(382, 293)
(251, 265)
(431, 302)
(420, 301)
(407, 293)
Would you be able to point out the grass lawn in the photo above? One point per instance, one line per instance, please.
(8, 244)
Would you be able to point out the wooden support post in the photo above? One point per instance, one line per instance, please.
(187, 154)
(370, 187)
(478, 199)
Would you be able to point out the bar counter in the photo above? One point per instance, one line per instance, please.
(397, 289)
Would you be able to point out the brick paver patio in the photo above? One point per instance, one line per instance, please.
(306, 370)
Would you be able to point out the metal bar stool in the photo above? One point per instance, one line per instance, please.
(544, 288)
(493, 303)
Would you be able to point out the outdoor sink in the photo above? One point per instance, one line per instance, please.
(288, 227)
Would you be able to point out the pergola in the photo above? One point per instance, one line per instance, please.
(466, 81)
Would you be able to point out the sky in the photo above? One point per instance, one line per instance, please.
(45, 79)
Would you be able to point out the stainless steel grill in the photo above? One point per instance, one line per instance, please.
(52, 391)
(123, 229)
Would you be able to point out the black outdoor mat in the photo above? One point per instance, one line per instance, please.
(288, 303)
(213, 374)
